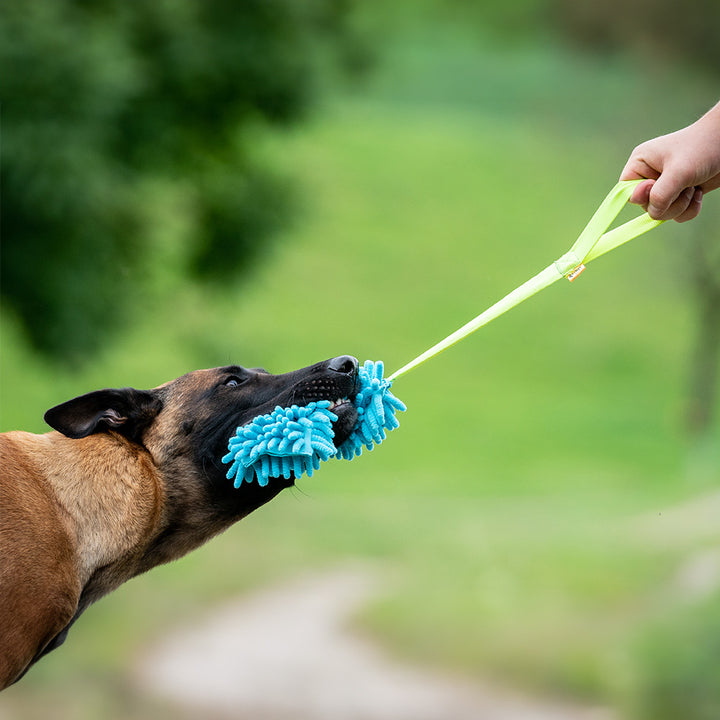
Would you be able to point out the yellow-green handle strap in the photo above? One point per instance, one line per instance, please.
(592, 243)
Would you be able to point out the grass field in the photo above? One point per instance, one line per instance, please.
(521, 507)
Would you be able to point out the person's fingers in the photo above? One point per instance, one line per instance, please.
(676, 208)
(637, 168)
(693, 209)
(668, 190)
(641, 193)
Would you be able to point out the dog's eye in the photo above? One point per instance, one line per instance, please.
(234, 381)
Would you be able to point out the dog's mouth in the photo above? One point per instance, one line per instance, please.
(334, 381)
(347, 417)
(338, 386)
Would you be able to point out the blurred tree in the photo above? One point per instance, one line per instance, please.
(704, 383)
(99, 95)
(651, 28)
(678, 665)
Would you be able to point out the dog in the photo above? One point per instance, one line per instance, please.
(129, 479)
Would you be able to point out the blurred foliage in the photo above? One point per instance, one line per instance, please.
(99, 96)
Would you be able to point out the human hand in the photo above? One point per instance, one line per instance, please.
(680, 168)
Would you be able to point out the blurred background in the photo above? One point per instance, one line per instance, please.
(189, 184)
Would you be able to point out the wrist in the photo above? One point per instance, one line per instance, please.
(711, 119)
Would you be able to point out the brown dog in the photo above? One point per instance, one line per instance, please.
(130, 480)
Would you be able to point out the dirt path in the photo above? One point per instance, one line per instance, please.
(286, 653)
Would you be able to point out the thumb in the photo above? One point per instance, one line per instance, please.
(641, 193)
(663, 193)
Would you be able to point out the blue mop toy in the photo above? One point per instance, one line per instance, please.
(295, 440)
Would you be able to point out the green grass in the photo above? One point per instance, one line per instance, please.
(505, 506)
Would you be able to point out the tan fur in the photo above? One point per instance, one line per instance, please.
(49, 491)
(38, 548)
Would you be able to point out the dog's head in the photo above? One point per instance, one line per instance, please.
(185, 424)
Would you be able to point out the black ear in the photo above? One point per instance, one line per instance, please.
(126, 411)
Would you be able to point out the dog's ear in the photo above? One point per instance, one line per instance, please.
(127, 411)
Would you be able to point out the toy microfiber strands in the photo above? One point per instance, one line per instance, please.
(376, 407)
(286, 441)
(295, 440)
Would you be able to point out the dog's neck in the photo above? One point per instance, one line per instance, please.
(115, 485)
(141, 515)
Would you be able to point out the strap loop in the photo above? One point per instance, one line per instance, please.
(567, 263)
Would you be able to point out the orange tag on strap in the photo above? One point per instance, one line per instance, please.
(576, 272)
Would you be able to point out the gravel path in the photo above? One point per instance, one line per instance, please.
(286, 653)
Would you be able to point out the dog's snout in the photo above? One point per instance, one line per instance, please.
(345, 364)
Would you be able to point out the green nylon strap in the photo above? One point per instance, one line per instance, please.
(592, 243)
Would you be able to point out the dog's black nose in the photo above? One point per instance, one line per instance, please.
(346, 364)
